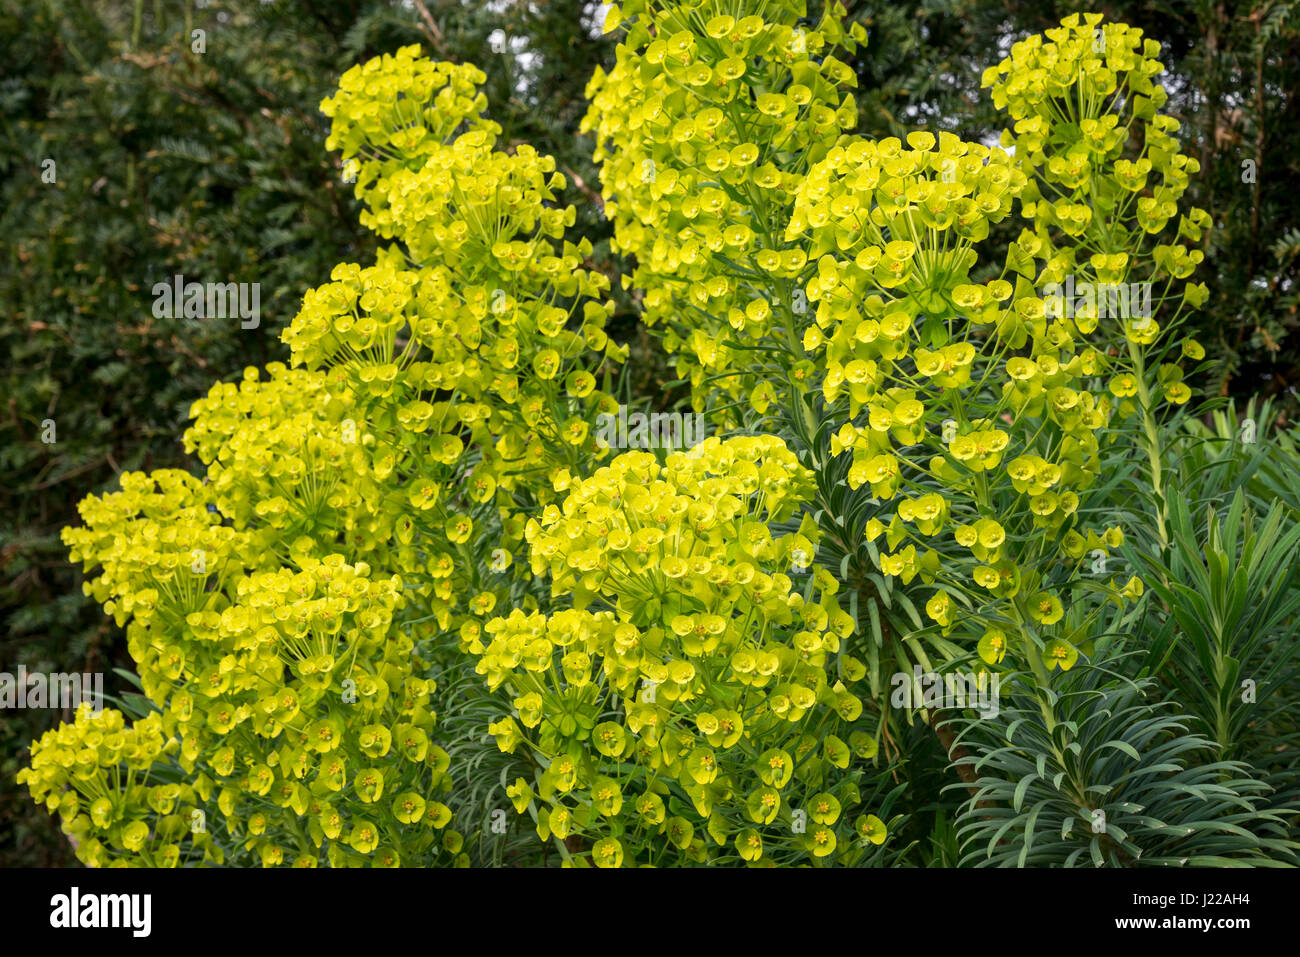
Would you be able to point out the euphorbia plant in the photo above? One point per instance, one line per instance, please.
(850, 311)
(282, 612)
(689, 664)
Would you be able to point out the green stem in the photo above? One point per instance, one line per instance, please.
(1150, 440)
(1042, 679)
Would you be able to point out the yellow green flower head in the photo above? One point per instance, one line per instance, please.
(700, 649)
(693, 125)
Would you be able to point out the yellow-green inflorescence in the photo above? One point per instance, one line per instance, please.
(280, 610)
(421, 490)
(829, 290)
(706, 126)
(693, 705)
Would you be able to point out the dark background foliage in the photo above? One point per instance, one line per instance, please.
(211, 165)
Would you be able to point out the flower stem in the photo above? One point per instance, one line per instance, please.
(1150, 440)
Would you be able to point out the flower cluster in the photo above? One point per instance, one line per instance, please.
(892, 228)
(301, 471)
(288, 699)
(472, 353)
(392, 113)
(1076, 95)
(705, 126)
(264, 606)
(905, 338)
(704, 712)
(288, 462)
(159, 548)
(973, 410)
(98, 775)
